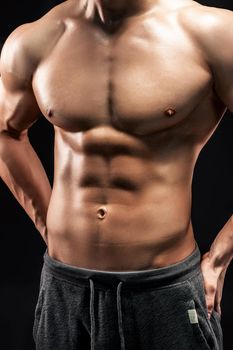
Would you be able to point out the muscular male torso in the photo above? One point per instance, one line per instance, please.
(132, 107)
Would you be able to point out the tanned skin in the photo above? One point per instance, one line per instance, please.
(134, 90)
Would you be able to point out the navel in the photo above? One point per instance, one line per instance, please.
(170, 112)
(101, 213)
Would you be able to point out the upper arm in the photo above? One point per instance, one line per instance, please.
(217, 40)
(18, 107)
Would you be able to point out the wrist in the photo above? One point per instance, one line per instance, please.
(218, 261)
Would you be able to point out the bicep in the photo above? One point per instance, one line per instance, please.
(223, 75)
(18, 106)
(218, 43)
(18, 109)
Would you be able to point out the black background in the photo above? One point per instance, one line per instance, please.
(21, 246)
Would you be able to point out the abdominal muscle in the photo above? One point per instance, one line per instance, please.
(96, 220)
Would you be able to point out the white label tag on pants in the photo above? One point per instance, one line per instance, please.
(193, 316)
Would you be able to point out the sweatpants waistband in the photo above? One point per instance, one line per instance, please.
(157, 277)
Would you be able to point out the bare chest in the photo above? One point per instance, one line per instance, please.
(145, 79)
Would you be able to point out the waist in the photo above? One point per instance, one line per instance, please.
(157, 277)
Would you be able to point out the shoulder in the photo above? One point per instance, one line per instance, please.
(202, 14)
(211, 27)
(28, 44)
(212, 30)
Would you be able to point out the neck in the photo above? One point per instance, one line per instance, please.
(110, 9)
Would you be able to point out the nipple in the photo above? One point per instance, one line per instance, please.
(50, 113)
(169, 112)
(101, 213)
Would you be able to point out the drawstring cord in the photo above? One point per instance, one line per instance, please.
(92, 314)
(119, 313)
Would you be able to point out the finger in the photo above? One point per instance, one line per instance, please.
(210, 300)
(218, 309)
(218, 298)
(210, 308)
(205, 255)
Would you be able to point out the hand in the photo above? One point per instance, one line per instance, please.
(213, 283)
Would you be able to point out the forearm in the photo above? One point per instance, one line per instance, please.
(23, 173)
(221, 250)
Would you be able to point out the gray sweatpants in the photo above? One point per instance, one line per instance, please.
(156, 309)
